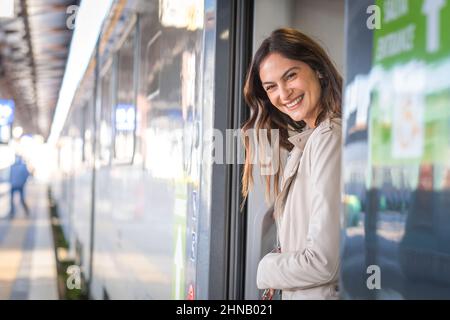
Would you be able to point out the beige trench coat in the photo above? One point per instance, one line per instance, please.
(309, 226)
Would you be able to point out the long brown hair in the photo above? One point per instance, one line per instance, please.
(293, 45)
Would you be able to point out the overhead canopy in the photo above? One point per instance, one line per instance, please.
(34, 46)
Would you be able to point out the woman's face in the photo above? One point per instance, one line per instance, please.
(292, 87)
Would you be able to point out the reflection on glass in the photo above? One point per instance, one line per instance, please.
(125, 107)
(105, 118)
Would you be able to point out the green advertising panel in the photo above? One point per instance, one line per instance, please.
(412, 29)
(414, 138)
(410, 104)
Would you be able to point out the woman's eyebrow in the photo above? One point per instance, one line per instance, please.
(284, 74)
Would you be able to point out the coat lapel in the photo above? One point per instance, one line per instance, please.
(299, 141)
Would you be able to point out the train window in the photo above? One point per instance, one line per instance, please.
(87, 133)
(161, 108)
(105, 133)
(83, 117)
(149, 82)
(125, 109)
(75, 135)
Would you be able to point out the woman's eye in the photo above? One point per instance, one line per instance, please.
(291, 75)
(269, 88)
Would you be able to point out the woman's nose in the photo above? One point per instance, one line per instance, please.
(285, 93)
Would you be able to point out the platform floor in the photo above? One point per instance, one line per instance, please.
(27, 258)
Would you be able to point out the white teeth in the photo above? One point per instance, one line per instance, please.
(293, 103)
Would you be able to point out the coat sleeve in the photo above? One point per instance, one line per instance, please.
(318, 262)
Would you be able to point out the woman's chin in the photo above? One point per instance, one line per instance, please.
(296, 117)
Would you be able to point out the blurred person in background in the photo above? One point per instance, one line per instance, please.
(18, 177)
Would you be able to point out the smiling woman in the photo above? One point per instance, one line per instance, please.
(296, 91)
(292, 86)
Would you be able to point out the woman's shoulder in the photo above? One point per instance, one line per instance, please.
(327, 136)
(329, 127)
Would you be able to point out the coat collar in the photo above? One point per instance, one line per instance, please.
(299, 140)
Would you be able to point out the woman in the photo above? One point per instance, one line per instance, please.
(293, 86)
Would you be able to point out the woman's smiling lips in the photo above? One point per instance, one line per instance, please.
(294, 103)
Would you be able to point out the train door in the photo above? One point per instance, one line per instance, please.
(82, 198)
(189, 96)
(396, 222)
(160, 195)
(323, 21)
(174, 112)
(102, 265)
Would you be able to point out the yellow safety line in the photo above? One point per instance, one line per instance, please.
(11, 253)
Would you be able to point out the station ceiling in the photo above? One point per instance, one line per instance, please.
(34, 46)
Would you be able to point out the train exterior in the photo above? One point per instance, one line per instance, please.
(138, 193)
(148, 191)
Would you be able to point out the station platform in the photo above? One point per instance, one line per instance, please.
(27, 258)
